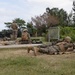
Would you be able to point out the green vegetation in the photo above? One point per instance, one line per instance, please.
(39, 38)
(67, 31)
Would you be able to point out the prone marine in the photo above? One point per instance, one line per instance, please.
(51, 49)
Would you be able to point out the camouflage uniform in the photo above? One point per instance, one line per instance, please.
(66, 45)
(63, 46)
(49, 49)
(14, 30)
(25, 38)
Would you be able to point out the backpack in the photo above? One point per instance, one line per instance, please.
(25, 36)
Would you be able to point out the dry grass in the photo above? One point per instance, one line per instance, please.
(19, 62)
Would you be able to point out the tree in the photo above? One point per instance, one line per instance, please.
(43, 22)
(6, 33)
(61, 14)
(63, 17)
(31, 28)
(74, 12)
(39, 23)
(8, 24)
(20, 23)
(69, 20)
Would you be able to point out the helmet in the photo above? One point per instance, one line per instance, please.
(68, 39)
(25, 30)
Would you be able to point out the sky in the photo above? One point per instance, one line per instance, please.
(25, 9)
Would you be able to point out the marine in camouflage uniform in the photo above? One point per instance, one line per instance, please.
(14, 30)
(25, 38)
(49, 49)
(63, 46)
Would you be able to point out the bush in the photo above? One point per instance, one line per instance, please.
(67, 31)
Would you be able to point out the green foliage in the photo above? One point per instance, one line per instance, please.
(67, 31)
(6, 33)
(40, 38)
(61, 15)
(20, 23)
(74, 12)
(31, 29)
(8, 24)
